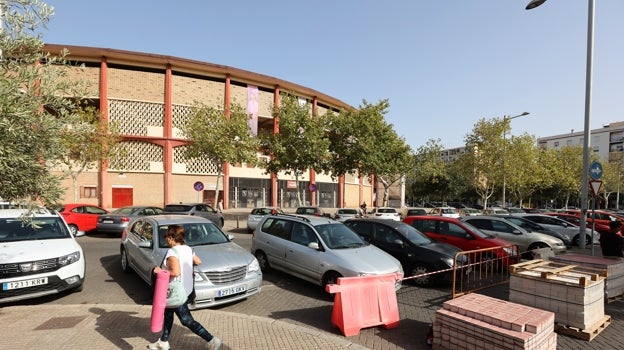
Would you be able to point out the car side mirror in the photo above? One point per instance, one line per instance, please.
(145, 244)
(516, 232)
(399, 243)
(313, 245)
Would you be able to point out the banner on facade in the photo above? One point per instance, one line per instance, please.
(253, 102)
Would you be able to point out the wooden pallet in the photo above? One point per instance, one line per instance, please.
(543, 269)
(584, 334)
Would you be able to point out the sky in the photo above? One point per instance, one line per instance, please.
(443, 65)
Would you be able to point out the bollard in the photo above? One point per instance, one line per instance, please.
(237, 221)
(364, 302)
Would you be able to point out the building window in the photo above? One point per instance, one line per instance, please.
(556, 143)
(569, 143)
(88, 192)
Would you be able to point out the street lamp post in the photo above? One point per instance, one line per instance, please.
(505, 119)
(588, 85)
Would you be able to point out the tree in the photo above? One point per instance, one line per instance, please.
(430, 171)
(566, 168)
(524, 168)
(220, 138)
(34, 109)
(300, 144)
(383, 152)
(485, 162)
(88, 141)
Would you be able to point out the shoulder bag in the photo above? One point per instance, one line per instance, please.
(176, 294)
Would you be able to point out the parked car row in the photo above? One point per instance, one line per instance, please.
(82, 218)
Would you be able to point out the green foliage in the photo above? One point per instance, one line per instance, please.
(33, 111)
(300, 144)
(220, 138)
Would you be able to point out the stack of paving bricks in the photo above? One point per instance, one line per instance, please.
(575, 295)
(614, 282)
(475, 321)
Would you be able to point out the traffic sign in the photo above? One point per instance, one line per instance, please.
(312, 187)
(595, 170)
(198, 186)
(595, 186)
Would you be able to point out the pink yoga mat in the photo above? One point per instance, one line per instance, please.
(160, 301)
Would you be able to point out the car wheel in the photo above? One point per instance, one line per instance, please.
(221, 223)
(331, 277)
(263, 261)
(125, 267)
(421, 269)
(575, 240)
(250, 231)
(73, 229)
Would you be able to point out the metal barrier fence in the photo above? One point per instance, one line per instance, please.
(486, 267)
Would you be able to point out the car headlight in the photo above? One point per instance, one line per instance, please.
(448, 261)
(69, 258)
(254, 266)
(509, 250)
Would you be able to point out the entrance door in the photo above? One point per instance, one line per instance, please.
(122, 197)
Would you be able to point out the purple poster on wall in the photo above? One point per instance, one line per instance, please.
(252, 107)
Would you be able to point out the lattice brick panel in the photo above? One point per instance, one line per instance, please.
(194, 165)
(180, 115)
(134, 117)
(136, 156)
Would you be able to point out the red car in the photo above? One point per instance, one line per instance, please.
(81, 217)
(464, 236)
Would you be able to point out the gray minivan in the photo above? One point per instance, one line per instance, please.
(318, 249)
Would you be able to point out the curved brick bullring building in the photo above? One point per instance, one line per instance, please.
(149, 96)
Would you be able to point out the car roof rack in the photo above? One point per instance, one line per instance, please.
(292, 215)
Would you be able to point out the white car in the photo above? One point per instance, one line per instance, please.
(39, 255)
(447, 212)
(385, 213)
(258, 214)
(344, 214)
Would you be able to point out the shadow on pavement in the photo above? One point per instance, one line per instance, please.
(116, 326)
(129, 282)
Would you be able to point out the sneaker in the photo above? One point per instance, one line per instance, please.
(214, 344)
(159, 345)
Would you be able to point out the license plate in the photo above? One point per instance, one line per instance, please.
(230, 291)
(107, 221)
(25, 283)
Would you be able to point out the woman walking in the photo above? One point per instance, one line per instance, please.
(179, 261)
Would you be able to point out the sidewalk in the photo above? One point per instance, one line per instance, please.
(106, 326)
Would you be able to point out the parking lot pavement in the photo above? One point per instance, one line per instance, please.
(287, 314)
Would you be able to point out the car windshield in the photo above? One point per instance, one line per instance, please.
(177, 208)
(477, 231)
(448, 211)
(347, 211)
(413, 235)
(197, 234)
(16, 229)
(387, 210)
(123, 211)
(339, 236)
(525, 224)
(263, 211)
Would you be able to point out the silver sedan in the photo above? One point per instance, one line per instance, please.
(228, 272)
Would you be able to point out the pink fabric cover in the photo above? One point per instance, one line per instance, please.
(160, 301)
